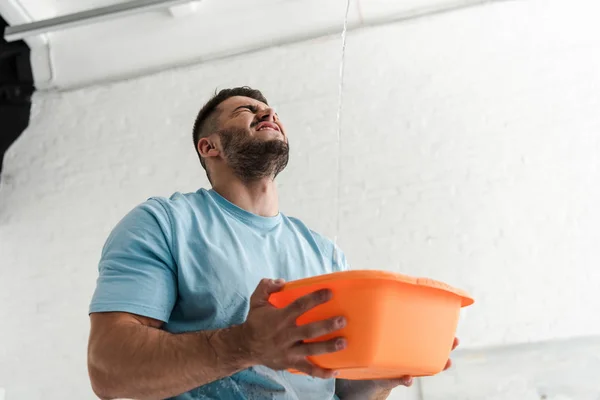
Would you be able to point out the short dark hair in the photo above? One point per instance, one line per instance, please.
(207, 114)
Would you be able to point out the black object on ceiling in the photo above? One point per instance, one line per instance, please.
(16, 88)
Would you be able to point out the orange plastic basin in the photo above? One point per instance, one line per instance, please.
(396, 325)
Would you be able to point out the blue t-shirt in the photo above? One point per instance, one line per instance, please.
(193, 261)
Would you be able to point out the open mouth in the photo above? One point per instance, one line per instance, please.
(266, 126)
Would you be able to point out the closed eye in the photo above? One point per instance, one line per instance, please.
(248, 107)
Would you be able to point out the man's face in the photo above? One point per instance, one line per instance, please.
(253, 139)
(260, 120)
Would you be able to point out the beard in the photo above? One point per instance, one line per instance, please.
(253, 159)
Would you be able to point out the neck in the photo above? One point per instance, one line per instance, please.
(258, 197)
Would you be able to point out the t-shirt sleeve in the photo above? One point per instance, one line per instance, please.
(331, 252)
(137, 273)
(340, 263)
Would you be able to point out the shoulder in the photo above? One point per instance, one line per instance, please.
(326, 246)
(179, 202)
(159, 214)
(323, 242)
(179, 206)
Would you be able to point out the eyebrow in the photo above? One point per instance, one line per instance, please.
(250, 107)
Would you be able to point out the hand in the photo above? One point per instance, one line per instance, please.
(274, 340)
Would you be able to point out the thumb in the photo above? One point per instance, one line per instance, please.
(264, 289)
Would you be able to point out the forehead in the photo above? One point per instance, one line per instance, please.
(233, 102)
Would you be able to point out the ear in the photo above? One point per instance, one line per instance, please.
(207, 148)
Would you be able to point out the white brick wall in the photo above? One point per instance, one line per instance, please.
(470, 154)
(558, 370)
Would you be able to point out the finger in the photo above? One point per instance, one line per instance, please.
(264, 289)
(308, 302)
(455, 343)
(317, 329)
(316, 348)
(406, 381)
(393, 383)
(448, 364)
(313, 370)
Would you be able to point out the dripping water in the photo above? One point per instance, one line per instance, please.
(339, 125)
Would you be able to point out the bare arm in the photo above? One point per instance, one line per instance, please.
(129, 356)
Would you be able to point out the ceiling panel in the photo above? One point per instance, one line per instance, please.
(18, 12)
(375, 10)
(153, 41)
(42, 9)
(157, 40)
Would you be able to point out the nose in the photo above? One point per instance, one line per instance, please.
(268, 114)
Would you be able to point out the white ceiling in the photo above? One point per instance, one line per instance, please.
(41, 9)
(157, 40)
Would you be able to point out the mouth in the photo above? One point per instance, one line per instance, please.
(267, 126)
